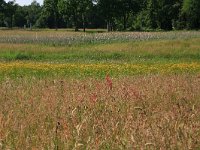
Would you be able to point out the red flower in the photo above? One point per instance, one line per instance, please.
(109, 82)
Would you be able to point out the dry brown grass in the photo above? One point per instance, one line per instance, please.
(149, 112)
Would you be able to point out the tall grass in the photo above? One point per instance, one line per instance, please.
(132, 52)
(147, 112)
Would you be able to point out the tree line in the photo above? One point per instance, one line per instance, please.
(115, 15)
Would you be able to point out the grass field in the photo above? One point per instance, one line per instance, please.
(66, 90)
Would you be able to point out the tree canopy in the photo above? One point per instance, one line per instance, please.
(110, 14)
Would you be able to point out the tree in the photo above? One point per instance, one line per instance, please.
(85, 7)
(162, 13)
(33, 13)
(191, 11)
(2, 11)
(50, 13)
(108, 9)
(166, 14)
(152, 9)
(95, 19)
(125, 8)
(177, 20)
(10, 9)
(115, 14)
(20, 16)
(2, 3)
(76, 10)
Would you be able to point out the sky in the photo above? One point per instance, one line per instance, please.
(26, 2)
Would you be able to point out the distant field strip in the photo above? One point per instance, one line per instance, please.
(28, 68)
(69, 38)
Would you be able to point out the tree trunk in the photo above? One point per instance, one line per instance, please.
(76, 28)
(108, 26)
(84, 27)
(124, 22)
(125, 18)
(30, 26)
(76, 25)
(83, 23)
(56, 21)
(11, 21)
(75, 22)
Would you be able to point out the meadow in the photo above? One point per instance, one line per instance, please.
(121, 90)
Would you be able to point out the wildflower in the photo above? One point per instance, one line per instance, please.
(109, 82)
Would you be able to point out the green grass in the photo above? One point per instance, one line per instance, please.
(131, 52)
(151, 57)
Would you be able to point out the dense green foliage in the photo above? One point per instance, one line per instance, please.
(113, 15)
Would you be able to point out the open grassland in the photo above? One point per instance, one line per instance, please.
(143, 51)
(98, 60)
(66, 90)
